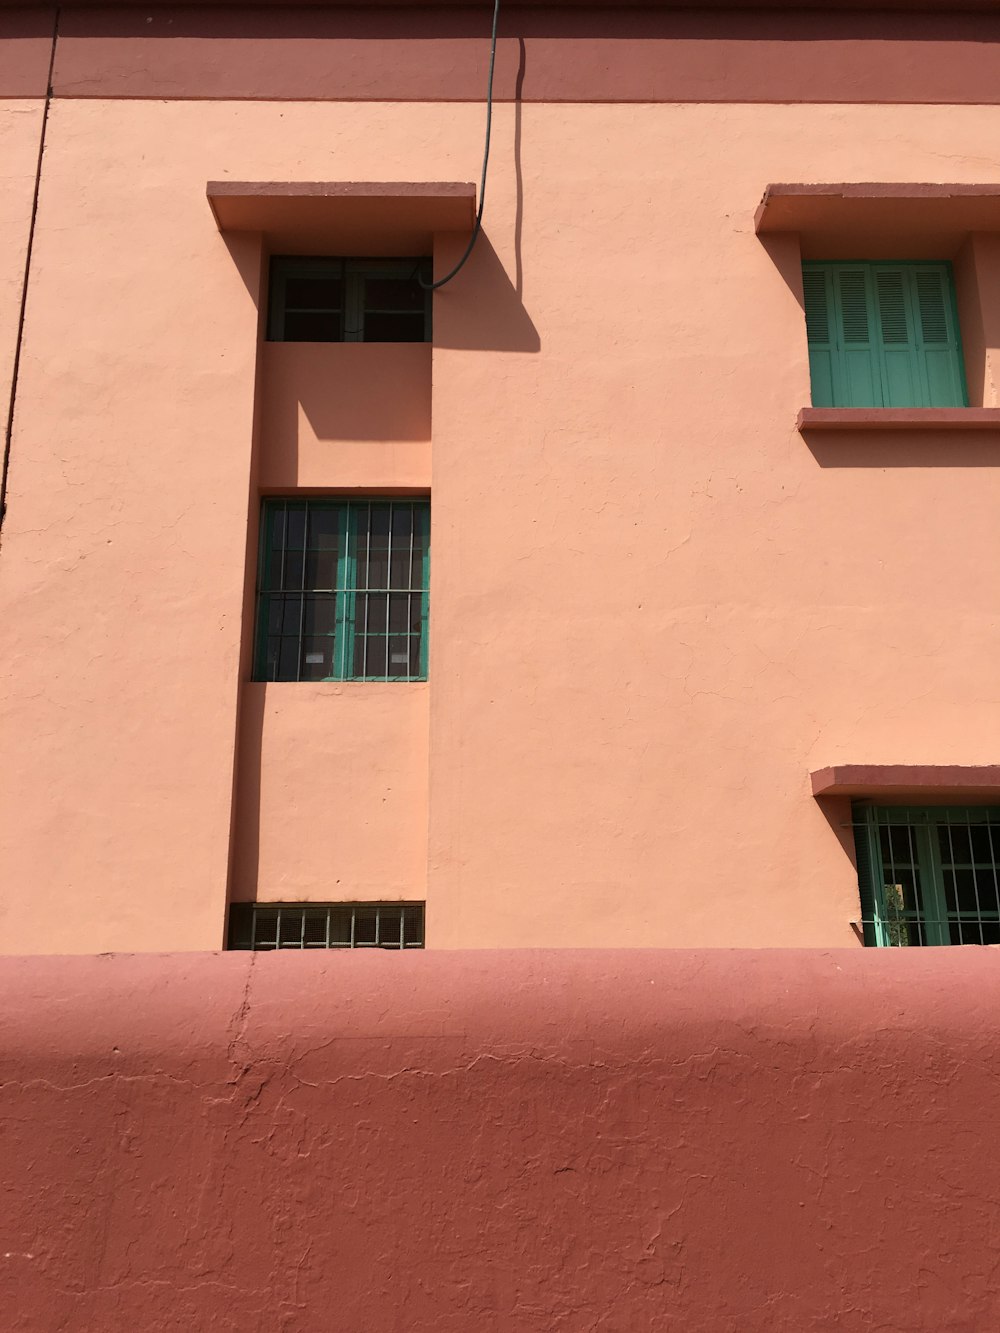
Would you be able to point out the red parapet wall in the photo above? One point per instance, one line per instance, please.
(517, 1141)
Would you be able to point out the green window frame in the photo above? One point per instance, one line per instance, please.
(329, 299)
(883, 335)
(928, 875)
(342, 590)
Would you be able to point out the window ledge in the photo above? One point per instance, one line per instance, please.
(345, 217)
(917, 783)
(907, 419)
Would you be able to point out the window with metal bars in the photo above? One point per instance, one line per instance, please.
(928, 875)
(883, 335)
(326, 926)
(342, 590)
(349, 300)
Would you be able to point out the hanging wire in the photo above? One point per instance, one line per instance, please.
(433, 286)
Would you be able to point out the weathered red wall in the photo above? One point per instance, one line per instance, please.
(501, 1141)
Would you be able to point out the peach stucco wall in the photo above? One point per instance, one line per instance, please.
(654, 607)
(332, 792)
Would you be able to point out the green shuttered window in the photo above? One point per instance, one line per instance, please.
(883, 335)
(342, 590)
(928, 875)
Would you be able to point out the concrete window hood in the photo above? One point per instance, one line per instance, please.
(344, 217)
(879, 220)
(917, 783)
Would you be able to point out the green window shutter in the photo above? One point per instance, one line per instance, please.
(883, 335)
(816, 285)
(939, 344)
(858, 384)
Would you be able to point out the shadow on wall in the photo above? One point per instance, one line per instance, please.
(875, 449)
(480, 310)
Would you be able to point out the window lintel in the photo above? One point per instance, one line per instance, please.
(876, 220)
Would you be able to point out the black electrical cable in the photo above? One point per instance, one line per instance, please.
(16, 368)
(433, 286)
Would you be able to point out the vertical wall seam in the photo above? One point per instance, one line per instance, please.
(15, 369)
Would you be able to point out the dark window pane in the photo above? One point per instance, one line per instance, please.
(399, 656)
(402, 523)
(308, 293)
(292, 612)
(399, 295)
(315, 927)
(265, 928)
(295, 517)
(307, 328)
(394, 328)
(294, 569)
(390, 926)
(985, 842)
(290, 929)
(340, 925)
(954, 843)
(323, 528)
(399, 611)
(273, 655)
(415, 655)
(274, 608)
(370, 655)
(898, 844)
(964, 891)
(288, 660)
(240, 925)
(321, 569)
(320, 614)
(364, 925)
(413, 925)
(317, 658)
(372, 611)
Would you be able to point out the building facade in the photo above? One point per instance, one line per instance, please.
(636, 587)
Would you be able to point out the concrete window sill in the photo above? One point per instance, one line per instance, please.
(900, 419)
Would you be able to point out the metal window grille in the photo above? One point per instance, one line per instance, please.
(343, 590)
(326, 926)
(349, 300)
(929, 875)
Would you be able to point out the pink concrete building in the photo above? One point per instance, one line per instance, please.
(636, 587)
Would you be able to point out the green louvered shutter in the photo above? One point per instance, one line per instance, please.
(817, 286)
(883, 335)
(939, 345)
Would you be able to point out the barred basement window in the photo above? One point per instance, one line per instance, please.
(883, 335)
(929, 875)
(342, 590)
(349, 300)
(326, 926)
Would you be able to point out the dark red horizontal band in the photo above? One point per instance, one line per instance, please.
(710, 6)
(909, 419)
(546, 53)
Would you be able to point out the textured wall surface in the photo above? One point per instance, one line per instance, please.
(627, 1141)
